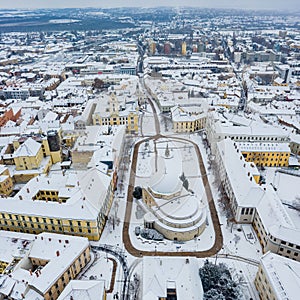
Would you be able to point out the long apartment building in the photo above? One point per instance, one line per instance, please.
(278, 278)
(266, 154)
(254, 204)
(73, 203)
(221, 125)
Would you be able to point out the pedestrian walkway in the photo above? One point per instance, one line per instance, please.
(215, 219)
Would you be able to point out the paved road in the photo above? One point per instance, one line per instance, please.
(218, 233)
(126, 239)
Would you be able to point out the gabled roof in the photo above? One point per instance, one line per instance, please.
(29, 148)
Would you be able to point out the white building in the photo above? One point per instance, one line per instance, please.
(177, 211)
(171, 277)
(84, 289)
(278, 278)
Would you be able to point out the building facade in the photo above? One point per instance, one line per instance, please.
(277, 278)
(75, 204)
(117, 114)
(47, 264)
(266, 154)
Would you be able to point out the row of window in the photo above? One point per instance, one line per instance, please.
(255, 138)
(259, 154)
(281, 249)
(43, 220)
(247, 210)
(269, 291)
(290, 244)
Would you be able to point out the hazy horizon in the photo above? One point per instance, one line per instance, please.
(238, 4)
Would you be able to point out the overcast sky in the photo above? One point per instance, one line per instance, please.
(244, 4)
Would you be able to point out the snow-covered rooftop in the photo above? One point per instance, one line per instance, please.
(283, 275)
(83, 289)
(85, 193)
(162, 273)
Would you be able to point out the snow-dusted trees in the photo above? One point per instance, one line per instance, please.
(217, 282)
(138, 192)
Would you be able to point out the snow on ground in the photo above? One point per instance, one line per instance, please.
(238, 240)
(203, 242)
(191, 170)
(240, 272)
(148, 123)
(102, 269)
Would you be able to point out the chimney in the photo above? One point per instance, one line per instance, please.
(57, 253)
(28, 190)
(20, 197)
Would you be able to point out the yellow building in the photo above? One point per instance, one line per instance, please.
(117, 113)
(277, 278)
(183, 48)
(75, 204)
(188, 119)
(266, 154)
(6, 182)
(152, 48)
(28, 155)
(69, 138)
(31, 158)
(84, 289)
(47, 263)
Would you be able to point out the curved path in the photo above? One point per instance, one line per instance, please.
(113, 276)
(218, 233)
(240, 258)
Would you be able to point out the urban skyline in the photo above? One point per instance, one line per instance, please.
(149, 153)
(289, 5)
